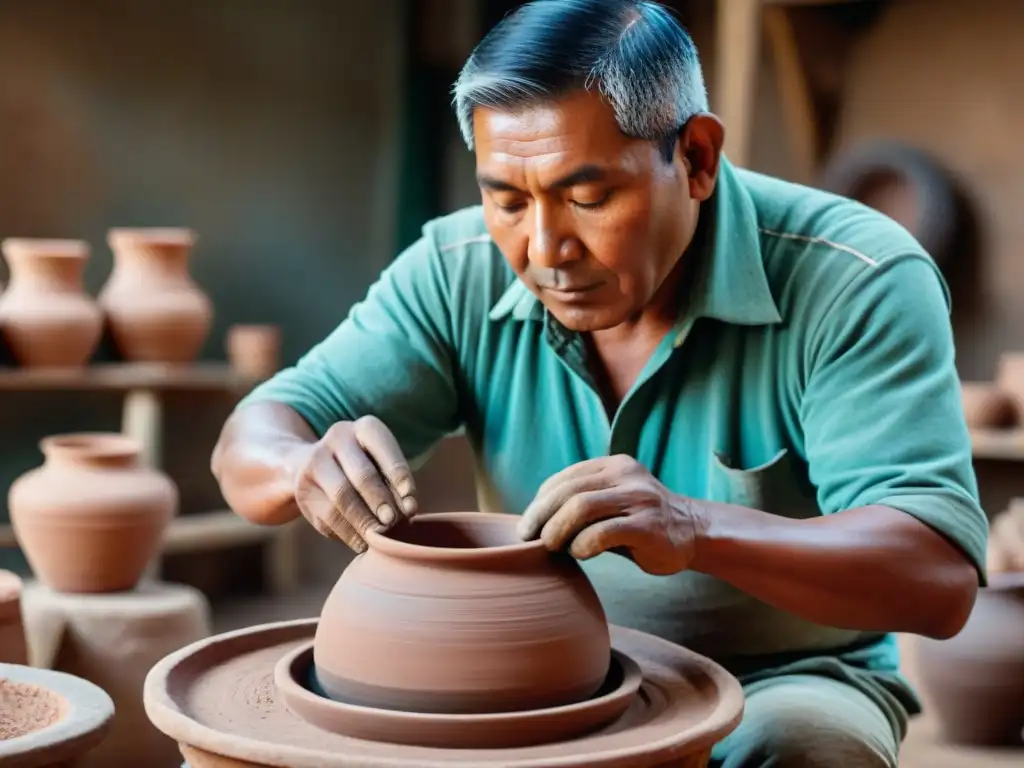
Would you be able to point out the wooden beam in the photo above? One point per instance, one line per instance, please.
(737, 54)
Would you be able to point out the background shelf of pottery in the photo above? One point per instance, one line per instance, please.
(142, 386)
(137, 341)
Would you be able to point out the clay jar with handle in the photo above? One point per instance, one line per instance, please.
(91, 517)
(975, 681)
(157, 313)
(47, 318)
(453, 613)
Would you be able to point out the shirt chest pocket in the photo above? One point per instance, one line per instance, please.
(778, 486)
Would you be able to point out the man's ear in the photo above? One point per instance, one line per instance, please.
(700, 143)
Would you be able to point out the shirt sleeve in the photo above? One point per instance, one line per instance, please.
(391, 357)
(882, 413)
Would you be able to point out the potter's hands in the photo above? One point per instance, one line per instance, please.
(1006, 540)
(613, 503)
(353, 480)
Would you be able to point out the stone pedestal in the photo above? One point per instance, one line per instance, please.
(112, 640)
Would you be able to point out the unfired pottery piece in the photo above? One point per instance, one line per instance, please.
(975, 681)
(13, 648)
(986, 406)
(293, 678)
(157, 313)
(454, 613)
(49, 718)
(91, 517)
(46, 316)
(218, 699)
(254, 350)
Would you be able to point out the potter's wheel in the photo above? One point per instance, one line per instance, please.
(219, 696)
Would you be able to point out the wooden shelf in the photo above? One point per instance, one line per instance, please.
(124, 377)
(220, 530)
(998, 444)
(142, 386)
(192, 533)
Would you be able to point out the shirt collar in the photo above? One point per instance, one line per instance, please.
(731, 285)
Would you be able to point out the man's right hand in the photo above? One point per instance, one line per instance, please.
(353, 480)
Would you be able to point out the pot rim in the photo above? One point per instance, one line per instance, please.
(381, 542)
(51, 248)
(174, 236)
(107, 445)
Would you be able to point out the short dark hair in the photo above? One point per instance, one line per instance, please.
(635, 53)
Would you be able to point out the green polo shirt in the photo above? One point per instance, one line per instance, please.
(811, 371)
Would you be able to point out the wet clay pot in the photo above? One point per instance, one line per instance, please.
(987, 406)
(975, 681)
(13, 648)
(157, 313)
(46, 316)
(453, 613)
(49, 719)
(91, 517)
(254, 350)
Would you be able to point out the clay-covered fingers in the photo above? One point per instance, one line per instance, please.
(320, 508)
(553, 497)
(584, 508)
(381, 447)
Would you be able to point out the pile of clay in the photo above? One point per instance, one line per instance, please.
(449, 642)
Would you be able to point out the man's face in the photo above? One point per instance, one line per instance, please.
(590, 220)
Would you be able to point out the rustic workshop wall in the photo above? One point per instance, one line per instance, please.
(270, 127)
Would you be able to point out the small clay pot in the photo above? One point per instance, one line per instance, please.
(254, 350)
(157, 313)
(91, 517)
(13, 648)
(47, 318)
(453, 613)
(975, 681)
(987, 406)
(49, 719)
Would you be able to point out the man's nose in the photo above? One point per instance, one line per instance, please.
(549, 246)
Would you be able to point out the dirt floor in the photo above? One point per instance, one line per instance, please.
(921, 749)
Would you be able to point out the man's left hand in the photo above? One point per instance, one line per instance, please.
(614, 503)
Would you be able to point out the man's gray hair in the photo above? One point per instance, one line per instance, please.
(634, 53)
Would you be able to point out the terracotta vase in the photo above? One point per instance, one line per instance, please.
(987, 406)
(47, 318)
(157, 313)
(453, 613)
(13, 648)
(91, 517)
(254, 350)
(975, 681)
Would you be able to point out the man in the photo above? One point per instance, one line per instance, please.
(733, 398)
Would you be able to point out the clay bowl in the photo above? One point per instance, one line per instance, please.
(454, 614)
(218, 699)
(296, 685)
(49, 718)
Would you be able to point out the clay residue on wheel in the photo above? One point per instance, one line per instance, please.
(25, 709)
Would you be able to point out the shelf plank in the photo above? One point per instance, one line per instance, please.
(124, 377)
(998, 444)
(196, 533)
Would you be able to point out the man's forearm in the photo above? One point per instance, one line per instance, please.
(872, 569)
(256, 460)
